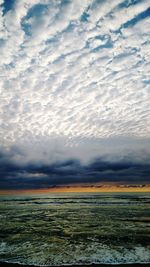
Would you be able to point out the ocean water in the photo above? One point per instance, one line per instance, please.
(75, 228)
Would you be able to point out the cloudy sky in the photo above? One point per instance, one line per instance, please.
(75, 92)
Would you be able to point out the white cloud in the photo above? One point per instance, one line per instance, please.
(66, 76)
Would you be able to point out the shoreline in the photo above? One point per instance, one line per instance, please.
(8, 264)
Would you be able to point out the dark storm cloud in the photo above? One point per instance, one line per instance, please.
(29, 176)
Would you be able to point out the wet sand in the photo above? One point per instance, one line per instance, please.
(4, 264)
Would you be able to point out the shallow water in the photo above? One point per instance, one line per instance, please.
(57, 229)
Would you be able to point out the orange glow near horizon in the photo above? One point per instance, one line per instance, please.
(80, 189)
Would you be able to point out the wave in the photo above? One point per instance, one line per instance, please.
(90, 255)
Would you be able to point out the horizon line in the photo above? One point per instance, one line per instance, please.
(80, 189)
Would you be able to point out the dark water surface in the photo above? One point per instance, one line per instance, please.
(75, 228)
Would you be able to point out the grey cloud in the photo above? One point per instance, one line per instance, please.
(48, 150)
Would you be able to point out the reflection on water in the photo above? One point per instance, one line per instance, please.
(59, 229)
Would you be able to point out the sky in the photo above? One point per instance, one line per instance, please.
(75, 92)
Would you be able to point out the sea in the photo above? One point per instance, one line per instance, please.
(75, 228)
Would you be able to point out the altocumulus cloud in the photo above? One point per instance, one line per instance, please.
(75, 91)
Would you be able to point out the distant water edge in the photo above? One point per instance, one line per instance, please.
(10, 264)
